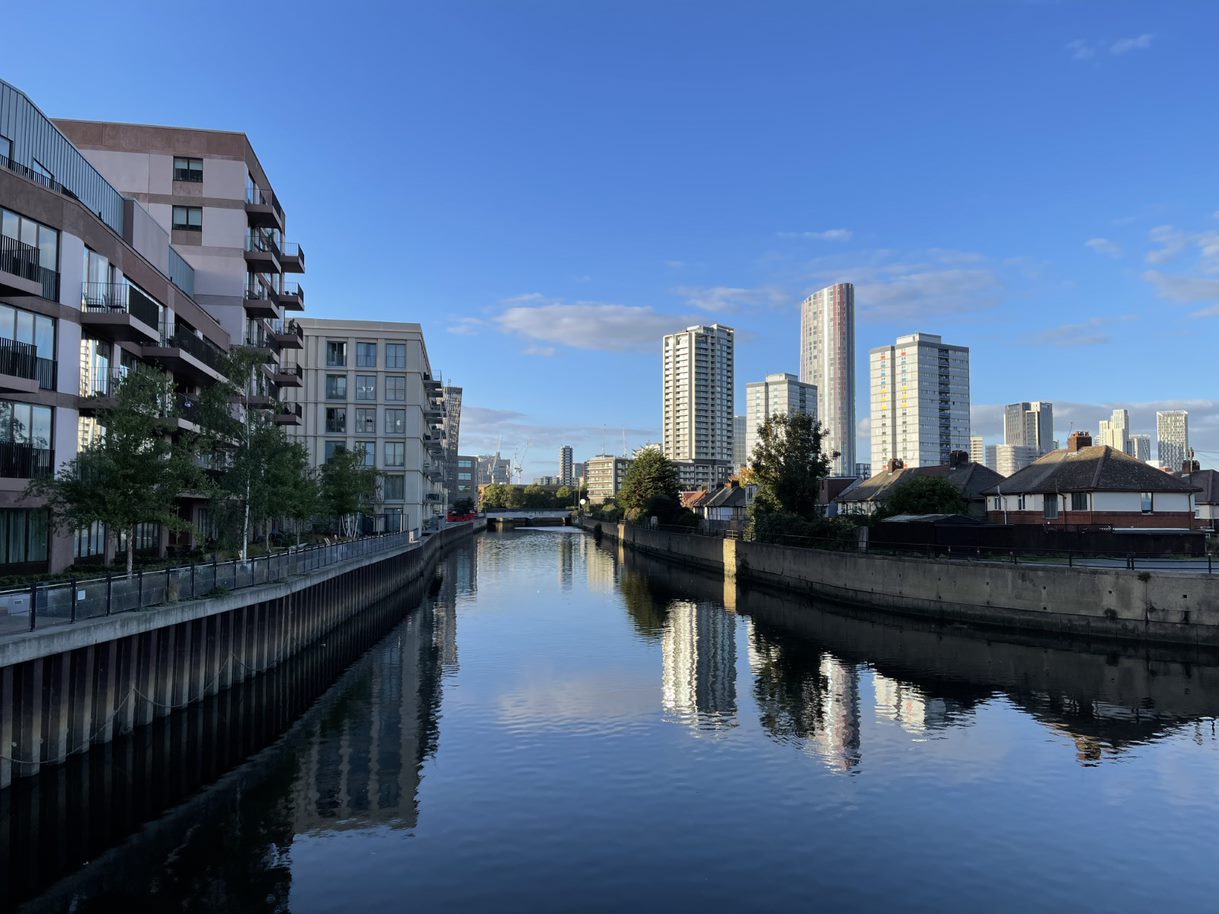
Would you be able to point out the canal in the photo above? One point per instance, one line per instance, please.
(561, 727)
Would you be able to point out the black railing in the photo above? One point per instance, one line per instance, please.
(287, 328)
(205, 351)
(289, 409)
(24, 461)
(189, 408)
(294, 288)
(110, 297)
(259, 292)
(45, 369)
(18, 359)
(295, 370)
(19, 259)
(36, 176)
(192, 175)
(255, 241)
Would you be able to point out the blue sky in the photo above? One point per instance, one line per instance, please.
(550, 186)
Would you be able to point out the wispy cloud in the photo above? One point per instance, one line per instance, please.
(483, 429)
(1188, 263)
(1170, 243)
(675, 264)
(1088, 333)
(544, 351)
(466, 326)
(835, 234)
(1126, 45)
(731, 298)
(586, 324)
(1183, 288)
(1089, 49)
(1104, 246)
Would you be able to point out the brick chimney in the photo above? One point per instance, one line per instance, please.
(958, 458)
(1078, 441)
(894, 464)
(1191, 466)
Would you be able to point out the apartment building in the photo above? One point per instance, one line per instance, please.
(452, 437)
(209, 191)
(90, 288)
(493, 470)
(1008, 459)
(566, 466)
(1172, 434)
(1114, 432)
(698, 393)
(463, 478)
(368, 386)
(605, 476)
(977, 449)
(920, 401)
(740, 455)
(1030, 425)
(778, 395)
(1140, 447)
(827, 360)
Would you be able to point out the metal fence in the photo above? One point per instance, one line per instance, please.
(66, 602)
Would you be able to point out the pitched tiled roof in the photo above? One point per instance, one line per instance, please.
(970, 479)
(1208, 482)
(694, 498)
(1099, 468)
(727, 497)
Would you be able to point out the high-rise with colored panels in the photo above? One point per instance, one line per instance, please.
(827, 359)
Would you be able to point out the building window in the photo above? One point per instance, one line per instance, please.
(188, 169)
(366, 355)
(90, 540)
(395, 453)
(393, 488)
(6, 150)
(369, 449)
(366, 387)
(395, 388)
(336, 354)
(1079, 501)
(336, 419)
(393, 520)
(188, 218)
(42, 170)
(23, 536)
(395, 356)
(1051, 507)
(25, 440)
(1147, 501)
(1019, 502)
(331, 449)
(395, 422)
(336, 387)
(366, 422)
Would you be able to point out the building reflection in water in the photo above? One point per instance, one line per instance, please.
(698, 646)
(599, 567)
(909, 706)
(568, 544)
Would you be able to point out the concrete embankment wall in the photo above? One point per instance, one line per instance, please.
(66, 688)
(1167, 606)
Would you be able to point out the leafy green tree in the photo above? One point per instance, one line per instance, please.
(463, 505)
(788, 464)
(293, 486)
(536, 498)
(348, 488)
(564, 497)
(650, 487)
(924, 495)
(134, 474)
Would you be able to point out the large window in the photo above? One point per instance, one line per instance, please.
(188, 169)
(36, 330)
(336, 419)
(366, 421)
(6, 148)
(25, 440)
(23, 536)
(366, 355)
(336, 354)
(90, 540)
(369, 449)
(395, 388)
(43, 238)
(188, 218)
(147, 538)
(1050, 507)
(395, 356)
(331, 448)
(395, 453)
(395, 422)
(336, 387)
(1079, 501)
(1147, 502)
(393, 488)
(366, 387)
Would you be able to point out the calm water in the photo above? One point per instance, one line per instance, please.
(565, 729)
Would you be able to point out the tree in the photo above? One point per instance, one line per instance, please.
(293, 486)
(463, 505)
(535, 498)
(650, 487)
(788, 465)
(347, 488)
(133, 474)
(564, 497)
(925, 495)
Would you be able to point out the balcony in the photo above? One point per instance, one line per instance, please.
(24, 461)
(119, 312)
(292, 257)
(261, 301)
(189, 411)
(287, 335)
(265, 346)
(183, 354)
(283, 376)
(18, 366)
(263, 210)
(261, 253)
(98, 394)
(288, 414)
(293, 297)
(260, 400)
(19, 270)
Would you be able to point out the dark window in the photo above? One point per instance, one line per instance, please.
(395, 388)
(1079, 501)
(23, 536)
(1051, 507)
(395, 355)
(366, 355)
(331, 448)
(90, 540)
(336, 387)
(188, 169)
(6, 149)
(394, 488)
(1148, 502)
(369, 449)
(366, 387)
(366, 422)
(188, 218)
(336, 419)
(336, 354)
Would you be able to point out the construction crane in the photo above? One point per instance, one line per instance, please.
(517, 468)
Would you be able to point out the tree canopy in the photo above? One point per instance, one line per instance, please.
(788, 464)
(650, 487)
(348, 488)
(925, 495)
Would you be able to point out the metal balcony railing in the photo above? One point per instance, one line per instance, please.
(21, 259)
(256, 241)
(205, 351)
(109, 297)
(18, 359)
(35, 176)
(24, 461)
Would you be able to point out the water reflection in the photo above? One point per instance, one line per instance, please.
(699, 675)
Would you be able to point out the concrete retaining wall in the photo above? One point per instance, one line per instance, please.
(66, 688)
(1168, 606)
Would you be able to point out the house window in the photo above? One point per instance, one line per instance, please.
(336, 354)
(395, 388)
(366, 422)
(188, 218)
(366, 355)
(336, 419)
(1051, 507)
(1019, 502)
(332, 448)
(369, 449)
(336, 387)
(188, 169)
(395, 453)
(395, 355)
(395, 422)
(366, 387)
(393, 488)
(1079, 501)
(1148, 502)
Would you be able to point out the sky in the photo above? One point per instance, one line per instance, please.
(549, 187)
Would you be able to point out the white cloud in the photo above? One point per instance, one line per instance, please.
(1081, 49)
(836, 234)
(675, 264)
(1087, 49)
(1088, 333)
(1125, 45)
(483, 429)
(466, 326)
(587, 325)
(1172, 243)
(545, 351)
(1104, 246)
(1183, 288)
(731, 298)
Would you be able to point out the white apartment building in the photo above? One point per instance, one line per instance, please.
(779, 395)
(1115, 431)
(740, 456)
(1030, 425)
(977, 449)
(920, 401)
(605, 474)
(698, 393)
(1172, 432)
(1140, 447)
(1006, 459)
(369, 386)
(827, 361)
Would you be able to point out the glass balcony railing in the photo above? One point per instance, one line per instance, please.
(114, 297)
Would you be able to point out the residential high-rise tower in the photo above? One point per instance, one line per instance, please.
(827, 360)
(698, 393)
(779, 395)
(1029, 425)
(566, 476)
(1172, 434)
(1115, 431)
(920, 401)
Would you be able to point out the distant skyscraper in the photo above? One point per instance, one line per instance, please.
(566, 468)
(1115, 431)
(1140, 447)
(863, 470)
(827, 360)
(779, 395)
(740, 456)
(1029, 425)
(1172, 432)
(1006, 459)
(920, 401)
(698, 393)
(977, 449)
(452, 436)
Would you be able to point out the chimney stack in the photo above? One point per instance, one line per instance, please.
(958, 458)
(894, 464)
(1078, 441)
